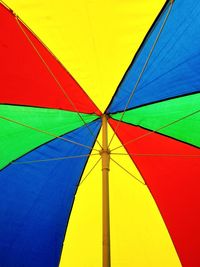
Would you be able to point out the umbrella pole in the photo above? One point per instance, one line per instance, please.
(105, 155)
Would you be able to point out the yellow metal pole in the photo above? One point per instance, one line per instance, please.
(105, 155)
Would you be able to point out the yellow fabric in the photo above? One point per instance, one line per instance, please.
(138, 234)
(96, 40)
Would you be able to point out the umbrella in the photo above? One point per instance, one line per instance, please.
(49, 126)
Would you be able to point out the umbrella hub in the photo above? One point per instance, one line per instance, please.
(104, 151)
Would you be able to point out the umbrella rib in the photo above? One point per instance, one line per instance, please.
(127, 171)
(5, 5)
(156, 130)
(54, 159)
(55, 79)
(93, 167)
(156, 155)
(142, 71)
(45, 132)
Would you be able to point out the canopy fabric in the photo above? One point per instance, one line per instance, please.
(34, 127)
(163, 117)
(82, 34)
(49, 125)
(38, 78)
(178, 118)
(173, 66)
(169, 180)
(39, 197)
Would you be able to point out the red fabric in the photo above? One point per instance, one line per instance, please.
(24, 78)
(174, 183)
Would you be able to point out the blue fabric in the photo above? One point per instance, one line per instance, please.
(174, 67)
(36, 200)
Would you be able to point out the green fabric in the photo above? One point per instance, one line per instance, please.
(16, 140)
(161, 114)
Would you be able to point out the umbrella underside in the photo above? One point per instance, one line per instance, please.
(49, 127)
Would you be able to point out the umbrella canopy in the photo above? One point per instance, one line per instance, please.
(49, 126)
